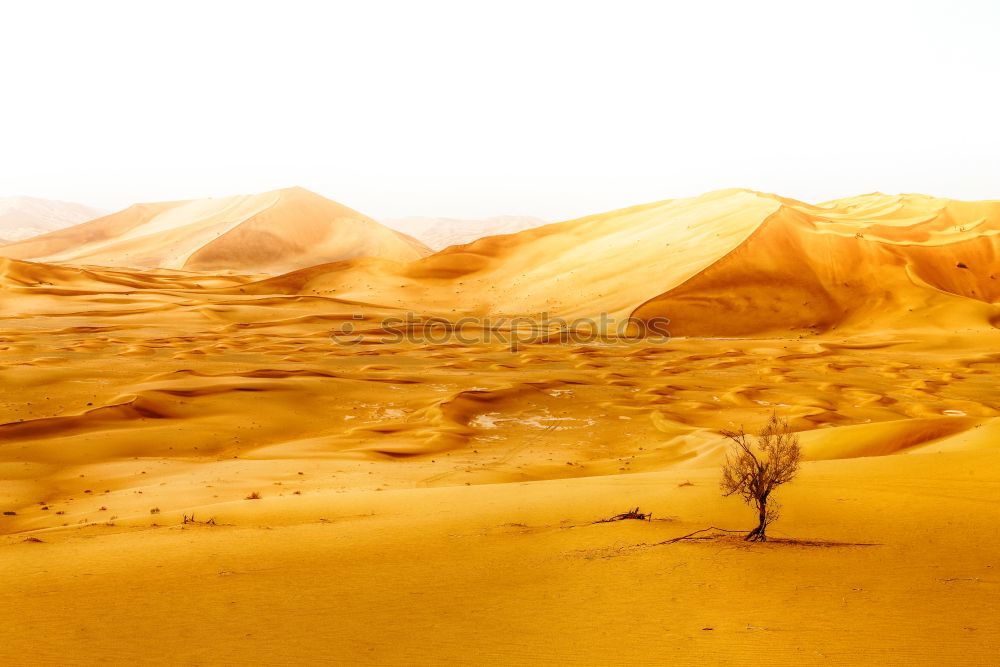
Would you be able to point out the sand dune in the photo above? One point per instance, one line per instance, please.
(267, 233)
(729, 263)
(375, 479)
(25, 217)
(868, 262)
(440, 233)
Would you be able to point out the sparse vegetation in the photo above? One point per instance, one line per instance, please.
(631, 514)
(190, 519)
(757, 466)
(253, 496)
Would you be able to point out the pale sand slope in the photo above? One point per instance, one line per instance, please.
(24, 217)
(271, 232)
(729, 263)
(440, 233)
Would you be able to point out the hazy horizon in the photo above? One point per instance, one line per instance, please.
(553, 111)
(394, 221)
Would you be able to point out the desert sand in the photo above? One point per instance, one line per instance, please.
(422, 502)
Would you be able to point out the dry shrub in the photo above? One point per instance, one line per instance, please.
(757, 465)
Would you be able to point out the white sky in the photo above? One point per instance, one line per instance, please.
(545, 108)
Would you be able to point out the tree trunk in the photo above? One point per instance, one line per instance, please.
(758, 534)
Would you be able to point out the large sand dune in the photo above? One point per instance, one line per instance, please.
(267, 233)
(24, 217)
(423, 502)
(729, 263)
(870, 262)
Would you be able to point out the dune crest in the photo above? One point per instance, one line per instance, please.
(727, 263)
(273, 232)
(870, 262)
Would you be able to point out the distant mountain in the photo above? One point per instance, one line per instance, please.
(24, 217)
(440, 233)
(273, 232)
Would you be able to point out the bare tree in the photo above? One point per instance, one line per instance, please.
(757, 465)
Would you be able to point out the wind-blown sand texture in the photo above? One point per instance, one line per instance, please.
(428, 503)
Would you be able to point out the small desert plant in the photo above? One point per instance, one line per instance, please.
(253, 496)
(759, 464)
(190, 519)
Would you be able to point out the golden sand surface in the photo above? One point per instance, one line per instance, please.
(428, 502)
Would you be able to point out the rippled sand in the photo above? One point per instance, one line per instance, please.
(425, 503)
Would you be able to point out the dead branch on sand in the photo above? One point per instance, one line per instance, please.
(780, 540)
(191, 519)
(631, 514)
(691, 536)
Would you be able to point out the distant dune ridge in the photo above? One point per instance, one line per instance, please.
(24, 217)
(727, 263)
(273, 232)
(439, 233)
